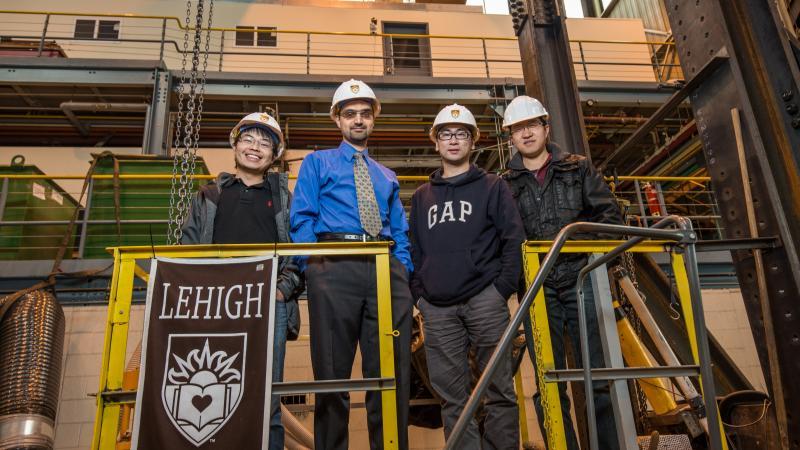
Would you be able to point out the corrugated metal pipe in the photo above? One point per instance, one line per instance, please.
(31, 349)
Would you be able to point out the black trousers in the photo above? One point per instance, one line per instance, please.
(562, 315)
(343, 312)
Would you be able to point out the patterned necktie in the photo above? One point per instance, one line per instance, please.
(367, 205)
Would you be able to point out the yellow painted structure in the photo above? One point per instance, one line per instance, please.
(551, 405)
(112, 374)
(657, 390)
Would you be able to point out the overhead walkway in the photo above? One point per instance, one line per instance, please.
(141, 66)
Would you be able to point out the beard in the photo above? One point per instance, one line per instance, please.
(357, 137)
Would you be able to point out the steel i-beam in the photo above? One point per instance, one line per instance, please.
(548, 69)
(762, 81)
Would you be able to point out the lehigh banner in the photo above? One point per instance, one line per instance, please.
(205, 377)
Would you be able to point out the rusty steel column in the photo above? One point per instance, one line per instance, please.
(761, 81)
(548, 68)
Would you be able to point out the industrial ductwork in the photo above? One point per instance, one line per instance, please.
(31, 348)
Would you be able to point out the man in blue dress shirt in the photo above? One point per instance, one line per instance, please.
(344, 195)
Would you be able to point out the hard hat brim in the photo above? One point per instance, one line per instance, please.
(476, 132)
(376, 105)
(508, 125)
(245, 122)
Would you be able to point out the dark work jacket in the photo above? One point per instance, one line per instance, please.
(199, 229)
(573, 191)
(465, 235)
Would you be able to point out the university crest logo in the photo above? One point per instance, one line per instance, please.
(203, 382)
(455, 113)
(354, 88)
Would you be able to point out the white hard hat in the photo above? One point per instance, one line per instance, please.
(262, 120)
(455, 114)
(354, 90)
(523, 108)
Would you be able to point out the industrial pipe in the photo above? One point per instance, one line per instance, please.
(295, 431)
(69, 109)
(31, 347)
(615, 119)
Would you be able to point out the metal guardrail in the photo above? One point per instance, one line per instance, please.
(684, 236)
(111, 396)
(691, 197)
(648, 199)
(325, 52)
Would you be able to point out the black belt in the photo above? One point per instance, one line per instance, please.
(350, 237)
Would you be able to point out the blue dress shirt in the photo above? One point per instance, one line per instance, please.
(325, 200)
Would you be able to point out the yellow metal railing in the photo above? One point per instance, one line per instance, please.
(211, 177)
(545, 361)
(334, 52)
(144, 209)
(109, 399)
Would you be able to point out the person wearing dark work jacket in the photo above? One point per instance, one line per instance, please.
(466, 237)
(344, 195)
(252, 206)
(554, 188)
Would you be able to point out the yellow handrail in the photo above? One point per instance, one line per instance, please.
(329, 33)
(112, 372)
(26, 176)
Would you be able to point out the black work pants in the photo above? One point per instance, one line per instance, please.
(562, 315)
(343, 312)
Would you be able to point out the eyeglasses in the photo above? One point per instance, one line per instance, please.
(530, 126)
(351, 114)
(253, 142)
(446, 135)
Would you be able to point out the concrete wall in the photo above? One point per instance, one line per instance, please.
(83, 348)
(85, 330)
(728, 322)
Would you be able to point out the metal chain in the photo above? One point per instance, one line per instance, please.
(175, 213)
(202, 90)
(630, 267)
(537, 345)
(188, 129)
(636, 324)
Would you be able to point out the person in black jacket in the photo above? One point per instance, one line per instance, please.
(554, 188)
(252, 206)
(466, 238)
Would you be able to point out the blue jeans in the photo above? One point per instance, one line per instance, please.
(562, 314)
(278, 356)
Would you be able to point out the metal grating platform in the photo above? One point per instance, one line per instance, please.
(667, 442)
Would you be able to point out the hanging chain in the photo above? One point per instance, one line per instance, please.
(629, 265)
(202, 90)
(175, 214)
(641, 399)
(187, 127)
(537, 346)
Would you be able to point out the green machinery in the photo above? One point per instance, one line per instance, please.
(143, 188)
(34, 213)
